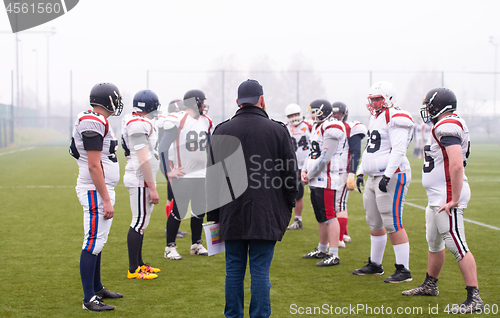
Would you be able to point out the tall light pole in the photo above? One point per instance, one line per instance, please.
(51, 33)
(495, 42)
(36, 86)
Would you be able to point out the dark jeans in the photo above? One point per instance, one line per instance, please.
(260, 253)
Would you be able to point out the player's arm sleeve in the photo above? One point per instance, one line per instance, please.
(163, 147)
(92, 140)
(329, 147)
(355, 149)
(399, 141)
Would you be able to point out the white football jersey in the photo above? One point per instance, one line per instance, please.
(300, 137)
(189, 148)
(328, 178)
(436, 171)
(134, 124)
(427, 131)
(352, 128)
(90, 121)
(377, 154)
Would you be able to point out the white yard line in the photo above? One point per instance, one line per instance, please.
(15, 151)
(467, 220)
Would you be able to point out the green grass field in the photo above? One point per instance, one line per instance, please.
(41, 237)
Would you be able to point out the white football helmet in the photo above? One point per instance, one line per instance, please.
(381, 96)
(293, 109)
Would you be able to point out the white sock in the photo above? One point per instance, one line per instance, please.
(322, 247)
(299, 218)
(402, 252)
(378, 248)
(333, 250)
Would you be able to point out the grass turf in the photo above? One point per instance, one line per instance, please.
(41, 237)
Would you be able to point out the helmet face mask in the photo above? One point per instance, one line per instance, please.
(320, 110)
(381, 95)
(107, 96)
(437, 101)
(147, 101)
(294, 114)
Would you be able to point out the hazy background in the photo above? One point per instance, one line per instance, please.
(298, 50)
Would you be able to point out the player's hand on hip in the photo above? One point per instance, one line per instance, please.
(155, 198)
(176, 173)
(383, 183)
(360, 182)
(109, 211)
(303, 177)
(448, 206)
(350, 183)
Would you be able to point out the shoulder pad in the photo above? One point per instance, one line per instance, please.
(400, 118)
(449, 127)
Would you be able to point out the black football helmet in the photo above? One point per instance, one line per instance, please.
(436, 102)
(108, 96)
(194, 99)
(175, 106)
(340, 111)
(146, 101)
(321, 109)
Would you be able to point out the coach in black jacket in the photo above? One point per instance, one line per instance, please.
(253, 201)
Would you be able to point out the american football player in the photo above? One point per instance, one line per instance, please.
(320, 172)
(300, 132)
(355, 132)
(188, 131)
(93, 145)
(448, 194)
(140, 144)
(389, 175)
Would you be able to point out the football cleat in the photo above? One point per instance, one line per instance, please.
(330, 260)
(347, 238)
(138, 274)
(369, 269)
(95, 304)
(428, 288)
(198, 249)
(105, 293)
(401, 275)
(148, 269)
(341, 244)
(471, 304)
(315, 254)
(171, 252)
(296, 225)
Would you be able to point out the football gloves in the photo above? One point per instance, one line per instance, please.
(360, 182)
(383, 183)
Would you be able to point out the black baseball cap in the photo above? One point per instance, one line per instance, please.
(249, 92)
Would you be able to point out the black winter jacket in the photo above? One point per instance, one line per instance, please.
(263, 209)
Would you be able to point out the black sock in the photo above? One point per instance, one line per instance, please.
(196, 228)
(141, 262)
(87, 273)
(134, 246)
(97, 275)
(172, 228)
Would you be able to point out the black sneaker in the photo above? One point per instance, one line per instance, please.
(428, 288)
(329, 261)
(315, 254)
(105, 293)
(369, 269)
(400, 275)
(95, 304)
(471, 304)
